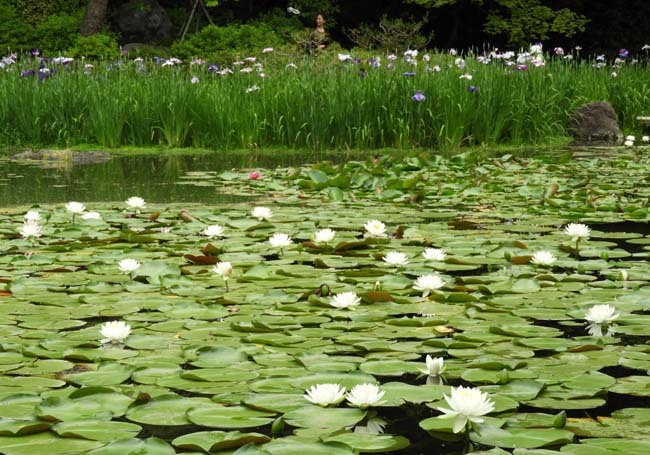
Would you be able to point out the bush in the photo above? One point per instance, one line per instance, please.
(223, 44)
(278, 21)
(15, 34)
(37, 11)
(58, 32)
(392, 35)
(100, 45)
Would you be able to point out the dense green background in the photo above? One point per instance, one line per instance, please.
(595, 25)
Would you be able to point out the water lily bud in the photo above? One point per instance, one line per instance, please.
(277, 427)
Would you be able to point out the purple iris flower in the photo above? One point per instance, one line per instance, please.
(522, 67)
(408, 74)
(623, 53)
(212, 68)
(36, 52)
(158, 60)
(44, 73)
(418, 97)
(472, 89)
(357, 61)
(27, 73)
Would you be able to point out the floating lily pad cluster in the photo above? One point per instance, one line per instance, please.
(218, 366)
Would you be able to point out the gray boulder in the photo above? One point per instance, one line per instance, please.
(142, 21)
(595, 124)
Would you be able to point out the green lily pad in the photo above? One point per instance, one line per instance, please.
(370, 443)
(231, 417)
(310, 416)
(98, 430)
(213, 441)
(527, 438)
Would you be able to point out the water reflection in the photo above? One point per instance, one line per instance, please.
(62, 177)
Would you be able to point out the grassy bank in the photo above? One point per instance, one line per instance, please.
(341, 105)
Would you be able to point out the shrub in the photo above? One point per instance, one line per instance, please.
(100, 45)
(223, 44)
(393, 35)
(58, 32)
(15, 34)
(278, 21)
(37, 11)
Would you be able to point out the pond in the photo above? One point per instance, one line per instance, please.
(61, 176)
(162, 327)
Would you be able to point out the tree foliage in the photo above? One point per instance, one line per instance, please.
(523, 21)
(36, 11)
(394, 35)
(600, 25)
(520, 21)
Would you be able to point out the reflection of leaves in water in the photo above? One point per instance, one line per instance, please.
(173, 167)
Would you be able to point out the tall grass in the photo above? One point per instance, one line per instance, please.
(314, 106)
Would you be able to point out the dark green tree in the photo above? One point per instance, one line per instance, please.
(520, 21)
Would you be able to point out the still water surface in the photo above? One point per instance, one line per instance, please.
(156, 178)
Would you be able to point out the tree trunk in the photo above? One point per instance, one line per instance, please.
(94, 17)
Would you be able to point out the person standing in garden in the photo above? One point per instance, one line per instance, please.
(318, 37)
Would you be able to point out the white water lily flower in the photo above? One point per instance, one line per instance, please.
(279, 240)
(434, 254)
(375, 228)
(91, 216)
(213, 230)
(599, 316)
(545, 258)
(577, 231)
(630, 138)
(645, 138)
(428, 283)
(467, 404)
(262, 213)
(345, 300)
(30, 229)
(324, 235)
(435, 366)
(32, 215)
(365, 395)
(325, 394)
(135, 202)
(75, 207)
(628, 143)
(128, 265)
(396, 258)
(114, 331)
(223, 268)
